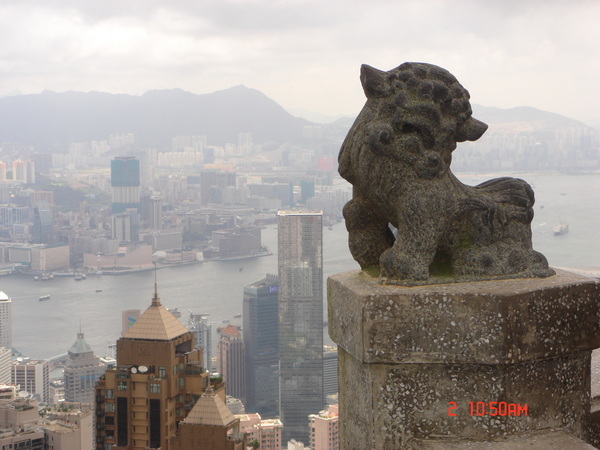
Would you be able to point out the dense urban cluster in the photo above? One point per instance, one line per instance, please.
(110, 207)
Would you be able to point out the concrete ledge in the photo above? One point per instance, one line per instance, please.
(554, 439)
(387, 405)
(414, 361)
(487, 322)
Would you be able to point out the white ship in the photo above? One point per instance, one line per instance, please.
(563, 228)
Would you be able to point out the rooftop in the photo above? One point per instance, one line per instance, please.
(210, 410)
(80, 345)
(156, 323)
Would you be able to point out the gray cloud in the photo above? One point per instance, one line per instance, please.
(305, 53)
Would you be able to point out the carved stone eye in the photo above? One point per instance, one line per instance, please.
(385, 137)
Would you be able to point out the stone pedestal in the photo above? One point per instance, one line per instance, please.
(478, 361)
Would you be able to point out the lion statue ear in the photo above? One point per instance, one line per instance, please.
(373, 81)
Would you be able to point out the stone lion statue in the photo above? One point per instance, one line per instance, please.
(397, 156)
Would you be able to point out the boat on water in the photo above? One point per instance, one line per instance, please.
(98, 290)
(563, 228)
(44, 297)
(237, 316)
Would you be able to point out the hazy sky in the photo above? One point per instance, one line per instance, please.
(306, 54)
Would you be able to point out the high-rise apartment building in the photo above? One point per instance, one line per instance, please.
(324, 430)
(125, 226)
(261, 344)
(5, 321)
(266, 432)
(82, 371)
(155, 213)
(230, 349)
(24, 171)
(158, 378)
(300, 268)
(198, 324)
(33, 376)
(151, 211)
(125, 182)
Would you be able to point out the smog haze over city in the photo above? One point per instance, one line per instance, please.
(306, 54)
(169, 187)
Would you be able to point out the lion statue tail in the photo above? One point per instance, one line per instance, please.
(514, 195)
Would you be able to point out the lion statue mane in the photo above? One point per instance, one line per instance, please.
(397, 156)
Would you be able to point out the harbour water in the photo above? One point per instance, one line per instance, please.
(48, 328)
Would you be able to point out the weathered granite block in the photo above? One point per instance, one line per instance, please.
(411, 358)
(548, 439)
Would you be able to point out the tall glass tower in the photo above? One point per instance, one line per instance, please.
(125, 182)
(300, 249)
(261, 341)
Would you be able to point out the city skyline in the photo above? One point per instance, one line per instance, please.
(306, 55)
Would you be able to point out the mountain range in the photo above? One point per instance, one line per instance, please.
(51, 120)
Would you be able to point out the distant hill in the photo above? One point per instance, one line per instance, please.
(536, 118)
(51, 118)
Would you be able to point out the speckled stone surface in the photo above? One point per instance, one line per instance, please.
(486, 322)
(407, 353)
(551, 439)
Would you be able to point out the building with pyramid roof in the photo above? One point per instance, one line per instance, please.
(210, 424)
(82, 371)
(157, 380)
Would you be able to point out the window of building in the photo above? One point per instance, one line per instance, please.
(109, 393)
(109, 407)
(155, 388)
(122, 386)
(162, 372)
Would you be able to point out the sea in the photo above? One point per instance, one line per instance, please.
(44, 329)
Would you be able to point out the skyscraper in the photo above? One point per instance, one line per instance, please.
(5, 321)
(42, 231)
(231, 360)
(125, 182)
(82, 370)
(300, 244)
(159, 376)
(261, 343)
